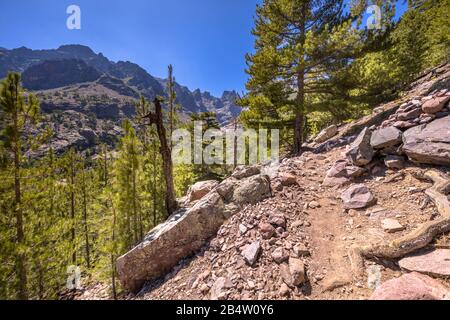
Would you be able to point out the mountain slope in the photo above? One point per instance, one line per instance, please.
(73, 82)
(44, 64)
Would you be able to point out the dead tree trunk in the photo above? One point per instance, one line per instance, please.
(157, 119)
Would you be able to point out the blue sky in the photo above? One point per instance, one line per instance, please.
(205, 40)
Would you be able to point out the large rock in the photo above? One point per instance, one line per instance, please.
(187, 231)
(361, 152)
(429, 143)
(252, 190)
(435, 105)
(341, 173)
(201, 189)
(411, 286)
(386, 137)
(436, 262)
(357, 196)
(326, 134)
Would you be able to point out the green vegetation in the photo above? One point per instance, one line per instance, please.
(315, 65)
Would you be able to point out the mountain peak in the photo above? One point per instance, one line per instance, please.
(76, 49)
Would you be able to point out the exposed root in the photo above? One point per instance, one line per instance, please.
(417, 239)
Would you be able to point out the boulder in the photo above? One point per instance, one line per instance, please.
(200, 189)
(341, 173)
(242, 172)
(436, 262)
(252, 190)
(187, 230)
(435, 105)
(429, 143)
(361, 152)
(357, 196)
(385, 138)
(287, 179)
(411, 286)
(326, 134)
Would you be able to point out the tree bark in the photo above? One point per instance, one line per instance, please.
(157, 119)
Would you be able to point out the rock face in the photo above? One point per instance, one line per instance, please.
(361, 152)
(357, 196)
(429, 143)
(386, 137)
(326, 134)
(411, 286)
(200, 189)
(187, 230)
(436, 262)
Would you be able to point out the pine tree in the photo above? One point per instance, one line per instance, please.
(303, 51)
(18, 114)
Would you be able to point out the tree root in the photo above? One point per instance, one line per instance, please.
(417, 239)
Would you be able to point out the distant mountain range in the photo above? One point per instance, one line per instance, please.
(73, 82)
(74, 64)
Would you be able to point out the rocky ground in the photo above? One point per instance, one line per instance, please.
(349, 191)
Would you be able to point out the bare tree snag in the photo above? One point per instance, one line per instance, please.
(157, 119)
(418, 238)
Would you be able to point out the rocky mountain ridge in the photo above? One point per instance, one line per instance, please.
(75, 84)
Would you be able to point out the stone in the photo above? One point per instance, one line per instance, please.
(394, 162)
(242, 172)
(279, 255)
(242, 229)
(429, 143)
(286, 276)
(341, 173)
(267, 230)
(251, 253)
(252, 190)
(313, 205)
(412, 114)
(391, 225)
(436, 262)
(201, 189)
(186, 231)
(357, 196)
(404, 124)
(277, 220)
(218, 290)
(326, 134)
(385, 138)
(435, 105)
(284, 290)
(297, 271)
(361, 152)
(287, 179)
(300, 250)
(412, 286)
